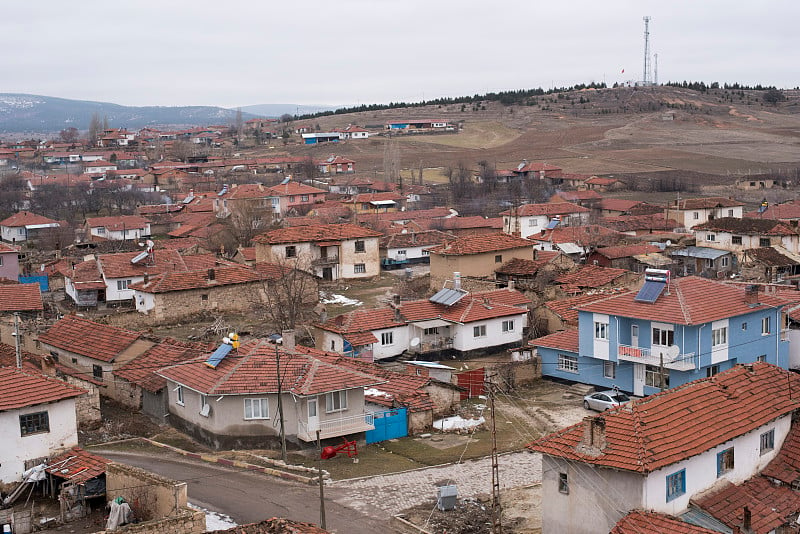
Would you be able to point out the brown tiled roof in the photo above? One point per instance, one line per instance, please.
(769, 256)
(690, 300)
(20, 297)
(120, 266)
(705, 203)
(252, 370)
(480, 244)
(142, 369)
(415, 239)
(786, 464)
(640, 522)
(362, 320)
(770, 505)
(567, 308)
(275, 525)
(552, 208)
(87, 338)
(626, 251)
(631, 223)
(198, 279)
(23, 218)
(467, 310)
(25, 388)
(432, 213)
(787, 211)
(86, 276)
(562, 340)
(591, 234)
(510, 297)
(271, 271)
(685, 421)
(369, 197)
(4, 248)
(117, 222)
(747, 226)
(248, 253)
(77, 465)
(591, 276)
(294, 188)
(617, 204)
(158, 209)
(322, 232)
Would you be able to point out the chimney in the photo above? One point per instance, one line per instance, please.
(751, 295)
(510, 284)
(594, 435)
(288, 339)
(48, 365)
(746, 520)
(535, 253)
(457, 280)
(211, 274)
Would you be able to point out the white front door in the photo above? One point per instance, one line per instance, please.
(638, 379)
(634, 335)
(313, 415)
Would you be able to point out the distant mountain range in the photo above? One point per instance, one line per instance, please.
(36, 114)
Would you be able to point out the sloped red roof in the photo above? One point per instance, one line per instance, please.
(747, 226)
(705, 203)
(640, 522)
(626, 251)
(86, 276)
(77, 465)
(370, 197)
(591, 276)
(617, 204)
(786, 464)
(679, 423)
(415, 239)
(25, 388)
(690, 300)
(198, 279)
(20, 297)
(480, 244)
(362, 320)
(5, 248)
(466, 310)
(119, 265)
(24, 218)
(786, 211)
(142, 369)
(632, 223)
(322, 232)
(118, 222)
(552, 208)
(87, 338)
(521, 267)
(563, 340)
(567, 308)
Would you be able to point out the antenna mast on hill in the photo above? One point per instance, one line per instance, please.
(655, 69)
(646, 74)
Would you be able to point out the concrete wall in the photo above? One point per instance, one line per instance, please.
(464, 339)
(443, 267)
(9, 266)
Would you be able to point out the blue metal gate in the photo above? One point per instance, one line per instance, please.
(388, 425)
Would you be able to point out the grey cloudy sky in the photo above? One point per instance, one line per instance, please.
(240, 52)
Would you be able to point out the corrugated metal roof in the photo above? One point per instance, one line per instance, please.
(700, 252)
(695, 516)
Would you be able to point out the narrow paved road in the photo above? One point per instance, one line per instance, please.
(249, 497)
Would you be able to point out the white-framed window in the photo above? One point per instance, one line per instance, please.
(479, 331)
(179, 395)
(303, 198)
(387, 338)
(568, 363)
(336, 401)
(21, 231)
(508, 326)
(695, 215)
(711, 237)
(256, 408)
(663, 337)
(122, 284)
(767, 441)
(432, 331)
(719, 336)
(533, 222)
(761, 358)
(609, 370)
(600, 330)
(765, 326)
(724, 261)
(652, 377)
(730, 213)
(401, 252)
(426, 252)
(101, 230)
(360, 268)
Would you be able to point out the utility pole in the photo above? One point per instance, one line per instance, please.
(321, 484)
(17, 348)
(280, 402)
(497, 527)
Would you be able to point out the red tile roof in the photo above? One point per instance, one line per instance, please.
(198, 279)
(467, 310)
(7, 249)
(591, 234)
(788, 211)
(322, 232)
(562, 340)
(639, 522)
(786, 464)
(690, 300)
(747, 226)
(567, 308)
(481, 244)
(632, 223)
(362, 321)
(520, 267)
(120, 266)
(626, 251)
(705, 203)
(553, 208)
(77, 465)
(590, 276)
(679, 423)
(253, 371)
(617, 204)
(370, 197)
(86, 276)
(142, 369)
(118, 222)
(20, 298)
(415, 239)
(87, 338)
(25, 388)
(24, 218)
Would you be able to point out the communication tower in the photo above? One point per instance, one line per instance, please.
(646, 75)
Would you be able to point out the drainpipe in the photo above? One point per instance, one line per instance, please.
(699, 337)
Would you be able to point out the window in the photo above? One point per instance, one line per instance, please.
(609, 370)
(122, 284)
(360, 247)
(387, 338)
(179, 395)
(291, 251)
(567, 363)
(401, 252)
(600, 330)
(498, 258)
(711, 237)
(736, 240)
(765, 326)
(204, 296)
(676, 484)
(533, 222)
(292, 198)
(508, 326)
(333, 345)
(479, 331)
(763, 242)
(101, 230)
(21, 231)
(360, 268)
(695, 215)
(664, 337)
(725, 261)
(34, 423)
(303, 198)
(724, 461)
(1, 261)
(97, 372)
(719, 336)
(767, 441)
(432, 331)
(744, 327)
(426, 252)
(563, 484)
(652, 377)
(761, 358)
(336, 401)
(711, 371)
(730, 213)
(256, 409)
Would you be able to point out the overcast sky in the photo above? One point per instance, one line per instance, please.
(234, 53)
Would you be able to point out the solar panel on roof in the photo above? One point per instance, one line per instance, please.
(552, 224)
(214, 360)
(650, 291)
(139, 257)
(188, 199)
(447, 296)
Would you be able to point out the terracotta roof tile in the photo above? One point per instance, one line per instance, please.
(480, 244)
(20, 297)
(467, 310)
(362, 320)
(120, 266)
(77, 465)
(590, 276)
(87, 338)
(632, 223)
(369, 197)
(787, 211)
(198, 279)
(768, 256)
(563, 340)
(521, 267)
(747, 226)
(23, 218)
(786, 464)
(25, 388)
(142, 369)
(549, 209)
(118, 222)
(415, 239)
(86, 276)
(705, 203)
(640, 522)
(567, 308)
(322, 232)
(679, 423)
(626, 251)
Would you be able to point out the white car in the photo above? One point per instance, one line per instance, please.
(604, 400)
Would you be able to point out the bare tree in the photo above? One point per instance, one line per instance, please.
(69, 135)
(290, 293)
(181, 150)
(95, 129)
(248, 219)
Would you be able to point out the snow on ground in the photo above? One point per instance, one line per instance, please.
(333, 298)
(215, 520)
(372, 392)
(457, 423)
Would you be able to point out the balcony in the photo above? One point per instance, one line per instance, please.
(679, 362)
(330, 259)
(331, 428)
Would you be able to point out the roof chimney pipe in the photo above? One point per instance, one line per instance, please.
(457, 280)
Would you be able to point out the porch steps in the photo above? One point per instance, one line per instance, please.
(578, 391)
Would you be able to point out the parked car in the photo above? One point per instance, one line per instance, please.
(604, 400)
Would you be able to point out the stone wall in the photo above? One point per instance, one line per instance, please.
(151, 496)
(187, 521)
(87, 407)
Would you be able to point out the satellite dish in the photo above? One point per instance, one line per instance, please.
(414, 342)
(226, 340)
(668, 243)
(673, 351)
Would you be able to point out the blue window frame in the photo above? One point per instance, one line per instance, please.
(724, 461)
(676, 484)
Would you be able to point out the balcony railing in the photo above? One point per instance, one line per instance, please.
(330, 259)
(681, 362)
(331, 428)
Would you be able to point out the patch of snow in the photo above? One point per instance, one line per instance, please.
(372, 392)
(457, 423)
(215, 520)
(333, 298)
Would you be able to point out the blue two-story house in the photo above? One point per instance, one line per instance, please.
(665, 336)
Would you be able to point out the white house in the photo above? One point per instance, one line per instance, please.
(660, 452)
(690, 212)
(410, 247)
(117, 228)
(530, 219)
(738, 235)
(37, 419)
